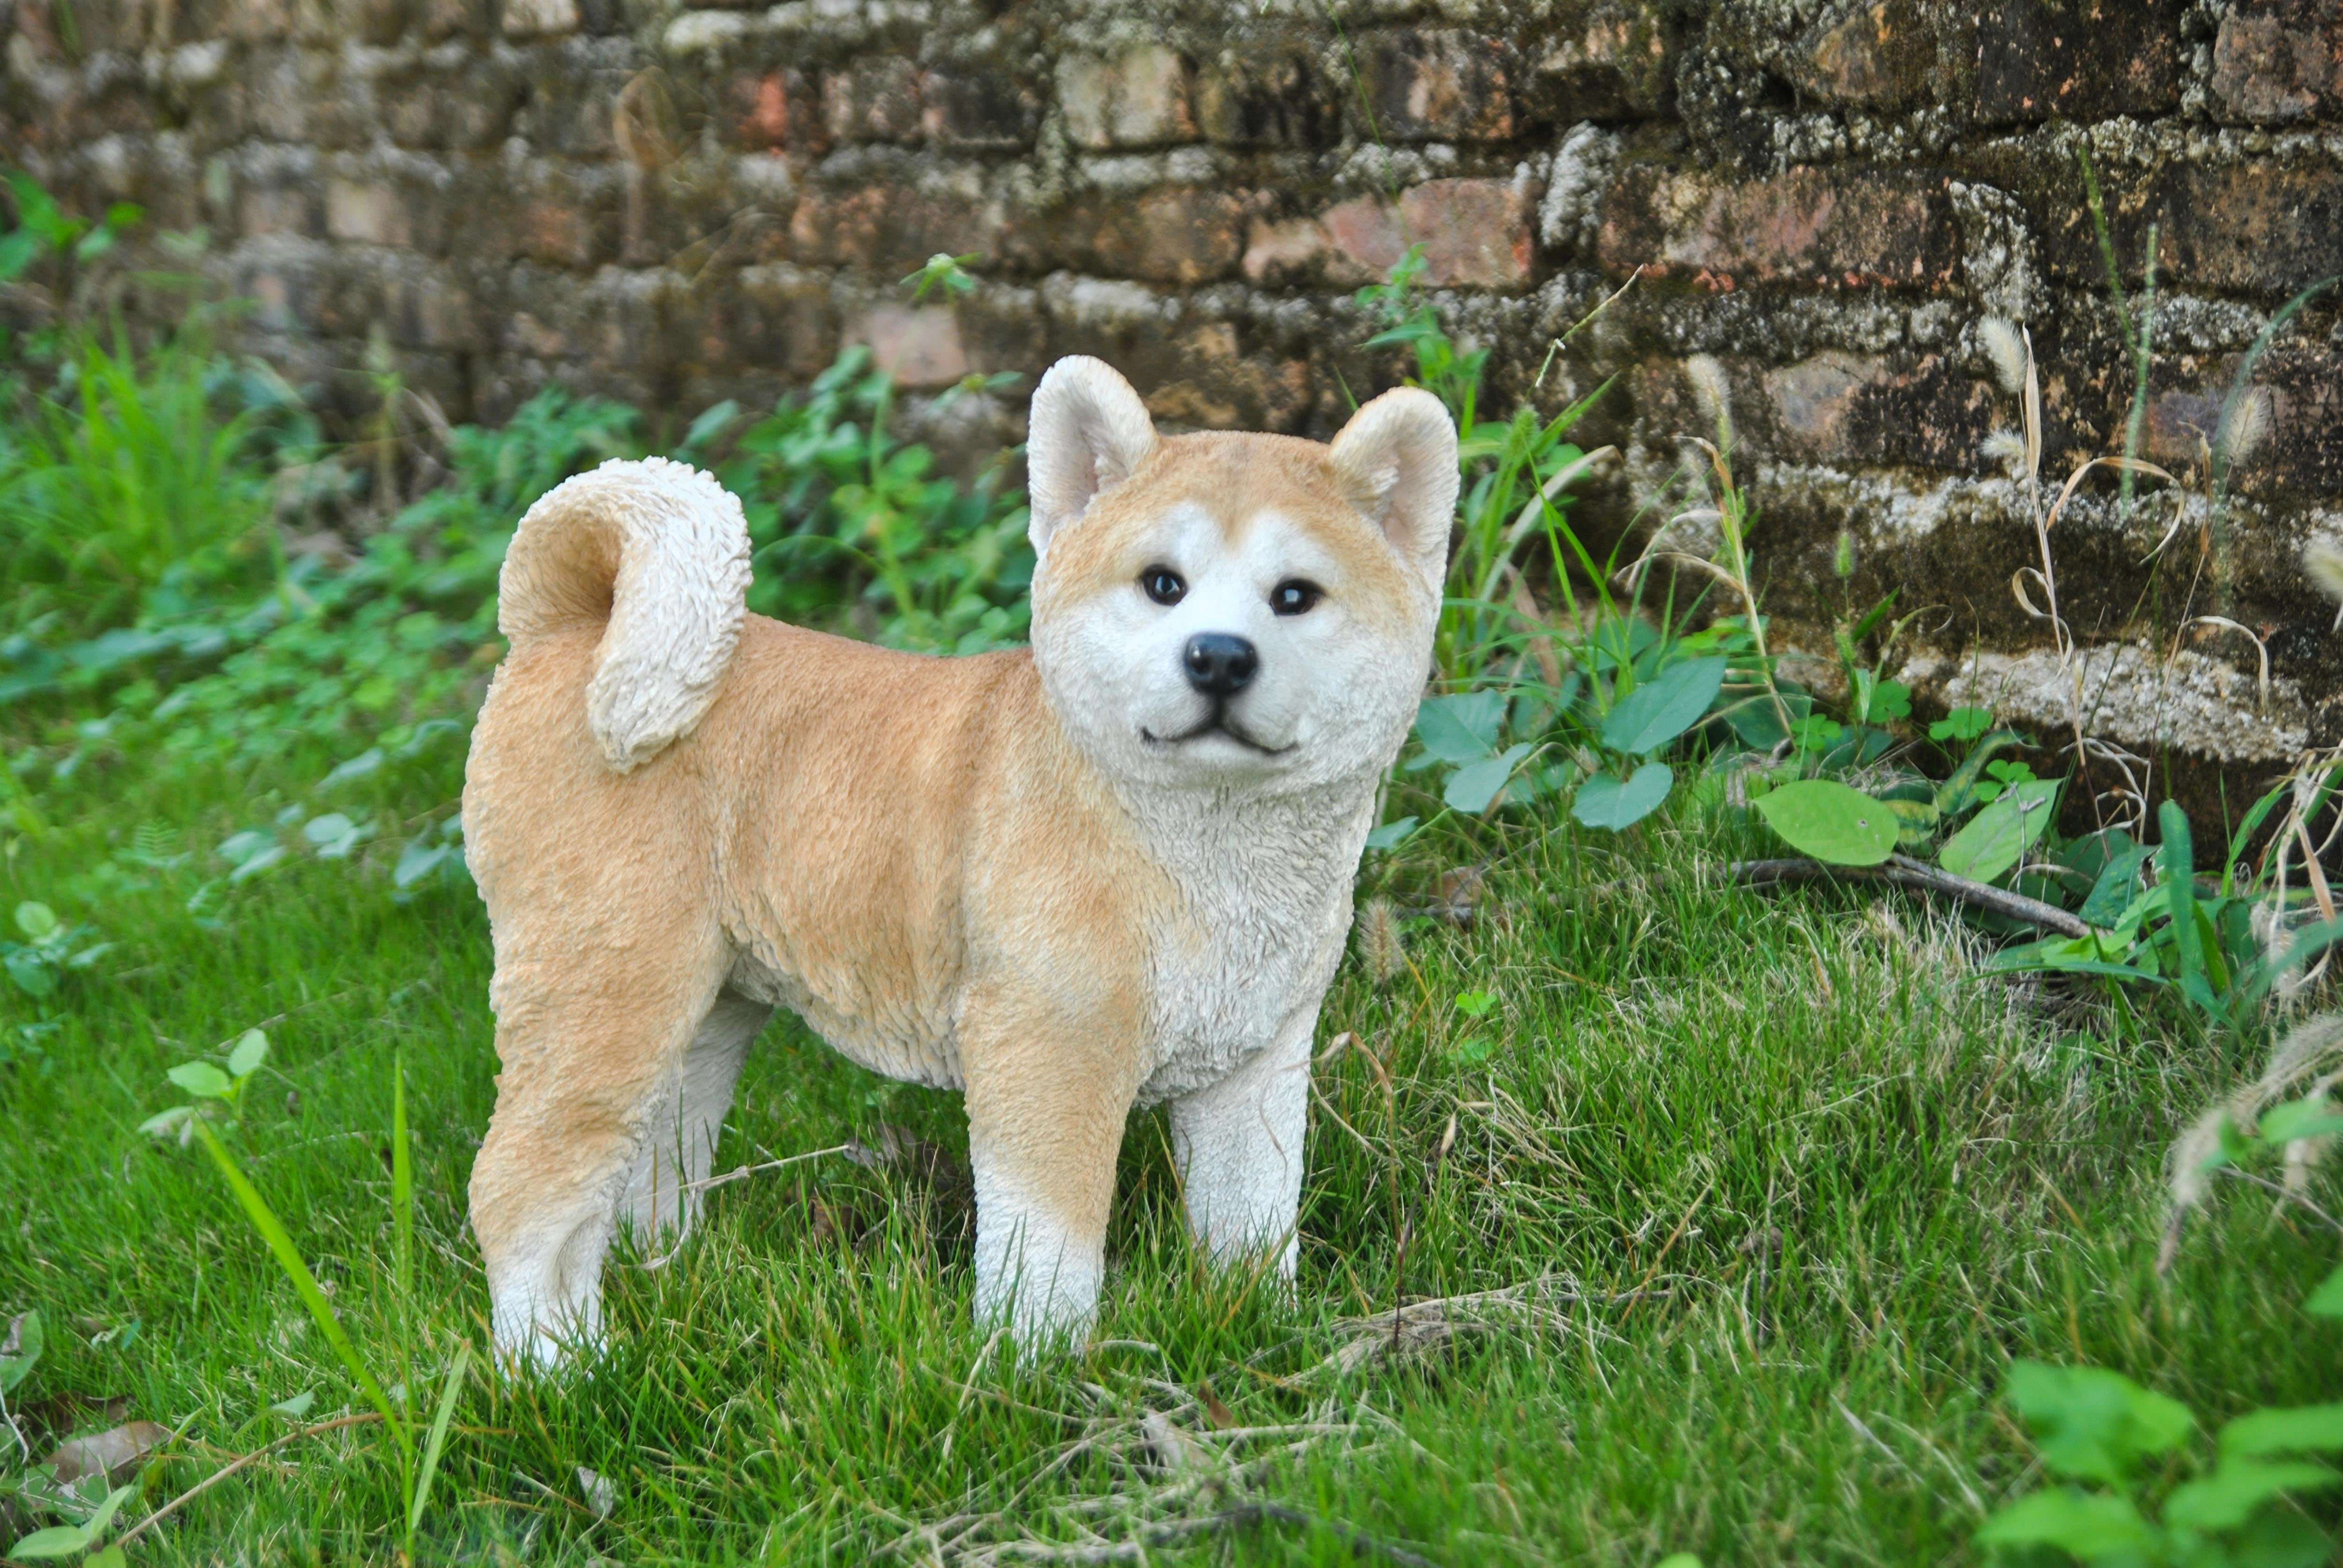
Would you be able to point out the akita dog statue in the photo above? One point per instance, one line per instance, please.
(1111, 871)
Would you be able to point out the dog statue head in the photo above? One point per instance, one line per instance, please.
(1235, 610)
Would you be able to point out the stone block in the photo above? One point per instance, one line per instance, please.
(977, 110)
(1182, 235)
(920, 347)
(1139, 98)
(1821, 228)
(886, 228)
(539, 18)
(875, 99)
(257, 21)
(1475, 233)
(1283, 252)
(1877, 57)
(1436, 85)
(2261, 226)
(2079, 59)
(1613, 63)
(1248, 99)
(2278, 63)
(1364, 240)
(778, 111)
(367, 213)
(1210, 382)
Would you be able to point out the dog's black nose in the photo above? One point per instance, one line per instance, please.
(1220, 665)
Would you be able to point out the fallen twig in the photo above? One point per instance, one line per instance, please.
(224, 1471)
(1903, 871)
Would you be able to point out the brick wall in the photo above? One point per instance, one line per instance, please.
(675, 207)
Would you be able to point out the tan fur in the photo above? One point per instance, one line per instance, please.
(913, 853)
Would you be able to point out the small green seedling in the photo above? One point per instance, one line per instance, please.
(78, 1540)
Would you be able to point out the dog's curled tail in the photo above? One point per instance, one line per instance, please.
(657, 554)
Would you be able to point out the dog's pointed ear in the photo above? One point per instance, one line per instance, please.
(1087, 433)
(1396, 462)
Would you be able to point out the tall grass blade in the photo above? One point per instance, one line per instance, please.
(402, 1181)
(438, 1437)
(288, 1257)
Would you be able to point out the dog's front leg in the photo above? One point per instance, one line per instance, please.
(1046, 1107)
(1238, 1145)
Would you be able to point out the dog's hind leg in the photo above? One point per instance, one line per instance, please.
(662, 1201)
(1238, 1145)
(593, 1045)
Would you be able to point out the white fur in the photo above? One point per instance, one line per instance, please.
(1238, 1145)
(1397, 459)
(1087, 431)
(1032, 1269)
(677, 606)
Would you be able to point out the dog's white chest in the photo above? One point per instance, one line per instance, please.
(1266, 887)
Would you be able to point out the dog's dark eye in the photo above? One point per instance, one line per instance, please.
(1162, 585)
(1294, 596)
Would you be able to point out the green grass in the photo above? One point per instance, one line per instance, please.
(1797, 1183)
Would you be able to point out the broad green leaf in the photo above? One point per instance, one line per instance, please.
(1476, 1003)
(1831, 822)
(2227, 1498)
(2092, 1424)
(334, 834)
(17, 1366)
(1655, 713)
(358, 766)
(251, 1050)
(255, 864)
(2084, 1525)
(201, 1079)
(37, 922)
(1463, 728)
(295, 1408)
(1472, 787)
(2278, 1538)
(56, 1541)
(2311, 1117)
(1605, 800)
(1387, 837)
(1998, 837)
(239, 848)
(1916, 821)
(2284, 1429)
(2118, 885)
(417, 862)
(2327, 1301)
(163, 1124)
(30, 974)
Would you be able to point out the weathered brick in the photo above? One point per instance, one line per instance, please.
(1437, 85)
(1879, 56)
(1213, 384)
(539, 18)
(886, 228)
(1182, 235)
(1138, 99)
(1824, 228)
(1612, 64)
(2257, 226)
(771, 317)
(257, 21)
(779, 110)
(919, 346)
(372, 213)
(1364, 240)
(1289, 251)
(873, 100)
(1264, 99)
(2082, 59)
(988, 110)
(2278, 63)
(1475, 233)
